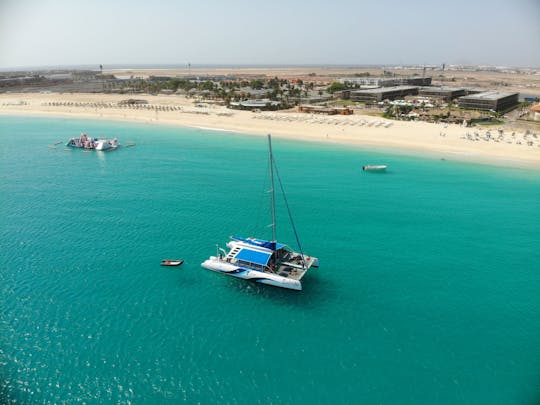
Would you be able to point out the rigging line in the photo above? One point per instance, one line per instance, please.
(289, 212)
(261, 206)
(272, 189)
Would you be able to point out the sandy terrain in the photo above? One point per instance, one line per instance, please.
(452, 142)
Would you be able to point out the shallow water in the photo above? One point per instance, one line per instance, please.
(428, 290)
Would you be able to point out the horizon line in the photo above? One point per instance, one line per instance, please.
(189, 66)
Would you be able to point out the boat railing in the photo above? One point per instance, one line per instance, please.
(294, 265)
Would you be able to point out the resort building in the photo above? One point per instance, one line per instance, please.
(344, 94)
(254, 93)
(316, 99)
(443, 93)
(387, 81)
(264, 104)
(534, 112)
(383, 93)
(489, 101)
(315, 109)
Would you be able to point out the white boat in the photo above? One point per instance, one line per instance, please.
(86, 142)
(263, 261)
(171, 262)
(105, 144)
(374, 167)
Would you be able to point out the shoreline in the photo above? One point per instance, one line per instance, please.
(449, 142)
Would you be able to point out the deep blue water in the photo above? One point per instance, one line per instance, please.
(428, 290)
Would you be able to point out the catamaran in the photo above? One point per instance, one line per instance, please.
(263, 261)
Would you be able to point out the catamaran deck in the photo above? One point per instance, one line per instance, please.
(289, 265)
(292, 266)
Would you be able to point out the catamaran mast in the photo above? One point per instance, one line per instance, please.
(274, 239)
(273, 202)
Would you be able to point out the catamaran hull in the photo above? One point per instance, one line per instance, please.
(229, 269)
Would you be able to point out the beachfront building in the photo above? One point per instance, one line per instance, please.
(383, 93)
(344, 94)
(443, 92)
(253, 93)
(534, 112)
(315, 109)
(489, 101)
(311, 99)
(386, 81)
(264, 104)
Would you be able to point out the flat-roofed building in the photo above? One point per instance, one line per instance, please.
(263, 104)
(315, 109)
(444, 93)
(387, 81)
(417, 81)
(489, 101)
(474, 91)
(534, 112)
(383, 93)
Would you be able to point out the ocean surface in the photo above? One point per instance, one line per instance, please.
(428, 289)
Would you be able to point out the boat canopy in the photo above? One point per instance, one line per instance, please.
(260, 242)
(253, 256)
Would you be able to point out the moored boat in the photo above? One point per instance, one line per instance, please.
(263, 261)
(170, 262)
(106, 144)
(374, 167)
(86, 142)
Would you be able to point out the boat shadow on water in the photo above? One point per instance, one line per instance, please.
(315, 292)
(377, 172)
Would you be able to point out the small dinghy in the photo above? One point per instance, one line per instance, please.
(169, 262)
(374, 167)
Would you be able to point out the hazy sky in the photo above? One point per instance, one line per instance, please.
(73, 32)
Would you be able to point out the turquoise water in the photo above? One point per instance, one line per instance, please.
(428, 290)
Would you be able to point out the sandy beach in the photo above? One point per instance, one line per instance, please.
(492, 145)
